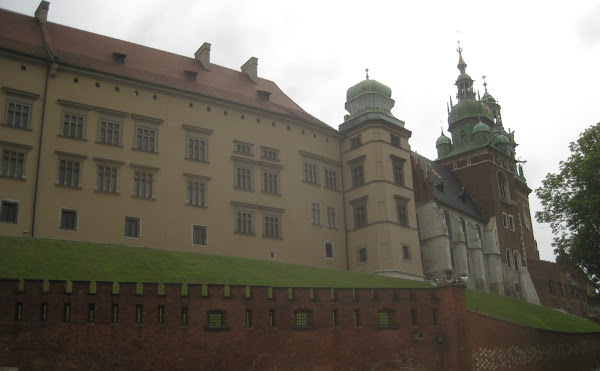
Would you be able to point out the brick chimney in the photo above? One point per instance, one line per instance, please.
(42, 11)
(203, 56)
(250, 69)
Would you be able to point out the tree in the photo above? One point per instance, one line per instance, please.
(571, 204)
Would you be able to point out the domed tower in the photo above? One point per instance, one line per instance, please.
(379, 204)
(443, 145)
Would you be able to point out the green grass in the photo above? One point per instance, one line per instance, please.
(66, 260)
(527, 314)
(53, 259)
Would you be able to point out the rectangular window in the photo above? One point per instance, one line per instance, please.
(9, 212)
(301, 319)
(68, 173)
(360, 215)
(505, 220)
(358, 177)
(315, 213)
(329, 250)
(310, 173)
(142, 185)
(72, 126)
(17, 115)
(243, 148)
(398, 173)
(215, 319)
(13, 164)
(355, 142)
(271, 227)
(356, 318)
(383, 318)
(67, 312)
(406, 253)
(199, 235)
(395, 140)
(334, 318)
(511, 223)
(132, 227)
(68, 219)
(195, 193)
(107, 179)
(91, 313)
(243, 222)
(145, 139)
(184, 316)
(331, 217)
(413, 316)
(401, 209)
(269, 153)
(110, 133)
(161, 314)
(331, 179)
(362, 255)
(243, 178)
(138, 313)
(270, 182)
(115, 313)
(196, 149)
(248, 317)
(44, 312)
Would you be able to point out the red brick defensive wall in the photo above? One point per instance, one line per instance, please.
(59, 325)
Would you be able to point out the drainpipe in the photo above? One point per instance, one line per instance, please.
(344, 210)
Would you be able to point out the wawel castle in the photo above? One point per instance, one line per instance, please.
(107, 141)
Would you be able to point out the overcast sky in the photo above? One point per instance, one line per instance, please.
(541, 58)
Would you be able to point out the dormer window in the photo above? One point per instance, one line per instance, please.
(119, 57)
(264, 94)
(191, 75)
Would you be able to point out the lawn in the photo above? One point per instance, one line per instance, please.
(66, 260)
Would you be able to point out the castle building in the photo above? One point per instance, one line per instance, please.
(124, 144)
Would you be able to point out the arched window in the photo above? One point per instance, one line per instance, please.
(517, 259)
(503, 187)
(508, 257)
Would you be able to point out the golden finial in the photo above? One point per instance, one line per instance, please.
(367, 71)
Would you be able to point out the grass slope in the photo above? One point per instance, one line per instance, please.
(53, 259)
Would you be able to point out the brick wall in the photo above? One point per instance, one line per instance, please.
(32, 343)
(455, 339)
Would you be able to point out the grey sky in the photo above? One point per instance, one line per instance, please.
(541, 58)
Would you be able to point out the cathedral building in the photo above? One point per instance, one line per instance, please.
(107, 141)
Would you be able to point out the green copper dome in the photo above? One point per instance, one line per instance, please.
(467, 108)
(442, 140)
(501, 139)
(368, 86)
(480, 128)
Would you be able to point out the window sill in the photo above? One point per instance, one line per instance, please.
(243, 154)
(271, 194)
(109, 144)
(245, 234)
(69, 229)
(74, 138)
(197, 206)
(272, 238)
(107, 192)
(137, 237)
(197, 160)
(243, 189)
(200, 244)
(309, 183)
(8, 221)
(316, 224)
(22, 179)
(144, 198)
(16, 127)
(145, 150)
(75, 188)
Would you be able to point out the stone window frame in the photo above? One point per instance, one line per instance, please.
(511, 222)
(271, 186)
(268, 153)
(113, 118)
(201, 199)
(331, 253)
(133, 227)
(22, 98)
(64, 223)
(355, 141)
(503, 187)
(395, 140)
(21, 151)
(402, 205)
(196, 133)
(150, 175)
(216, 319)
(302, 319)
(272, 225)
(108, 164)
(359, 212)
(357, 171)
(149, 124)
(6, 216)
(398, 172)
(331, 217)
(406, 253)
(362, 255)
(331, 181)
(73, 109)
(311, 173)
(243, 148)
(199, 235)
(75, 159)
(315, 213)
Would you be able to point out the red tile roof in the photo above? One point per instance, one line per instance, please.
(69, 46)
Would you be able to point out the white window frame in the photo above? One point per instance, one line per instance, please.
(331, 217)
(243, 148)
(243, 177)
(315, 213)
(311, 172)
(272, 226)
(272, 185)
(113, 124)
(331, 181)
(63, 122)
(241, 219)
(75, 177)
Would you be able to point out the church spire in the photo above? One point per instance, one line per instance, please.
(464, 83)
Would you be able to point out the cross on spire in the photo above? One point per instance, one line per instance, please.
(367, 71)
(484, 83)
(459, 49)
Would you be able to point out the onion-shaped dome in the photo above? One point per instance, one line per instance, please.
(481, 128)
(368, 86)
(443, 140)
(467, 108)
(500, 140)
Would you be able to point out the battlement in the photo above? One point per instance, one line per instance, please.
(225, 307)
